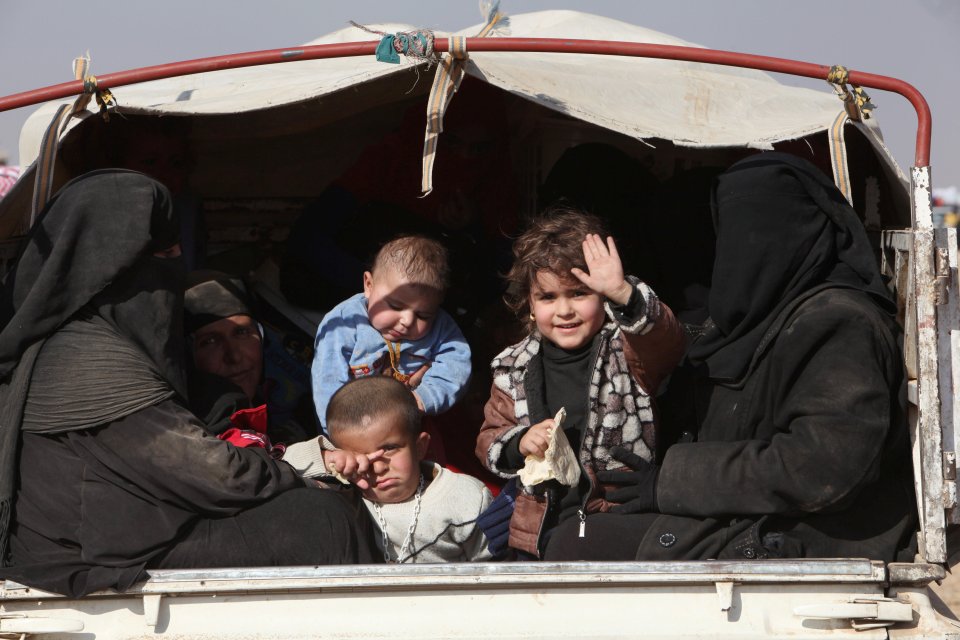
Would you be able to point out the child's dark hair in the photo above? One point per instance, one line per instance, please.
(422, 260)
(356, 404)
(553, 242)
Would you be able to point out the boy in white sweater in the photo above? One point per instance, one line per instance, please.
(425, 513)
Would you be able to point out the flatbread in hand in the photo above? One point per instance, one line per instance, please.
(559, 463)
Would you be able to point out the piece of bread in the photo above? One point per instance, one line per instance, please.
(559, 463)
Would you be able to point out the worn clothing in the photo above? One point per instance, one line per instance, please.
(63, 269)
(812, 445)
(123, 491)
(446, 527)
(98, 482)
(281, 531)
(565, 375)
(116, 380)
(347, 347)
(633, 356)
(211, 296)
(795, 392)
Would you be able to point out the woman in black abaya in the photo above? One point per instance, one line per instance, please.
(795, 394)
(103, 473)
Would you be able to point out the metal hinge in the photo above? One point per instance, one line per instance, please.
(942, 286)
(863, 612)
(950, 480)
(23, 625)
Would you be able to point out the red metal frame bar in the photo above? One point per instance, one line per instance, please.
(540, 45)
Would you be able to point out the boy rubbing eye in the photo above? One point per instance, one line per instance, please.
(425, 513)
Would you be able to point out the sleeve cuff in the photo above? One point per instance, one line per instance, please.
(307, 457)
(641, 311)
(510, 457)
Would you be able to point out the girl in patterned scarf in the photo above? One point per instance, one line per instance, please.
(600, 344)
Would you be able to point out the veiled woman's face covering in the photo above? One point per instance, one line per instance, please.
(93, 246)
(783, 229)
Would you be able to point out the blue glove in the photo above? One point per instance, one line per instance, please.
(495, 521)
(638, 487)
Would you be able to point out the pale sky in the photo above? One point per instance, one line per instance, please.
(914, 40)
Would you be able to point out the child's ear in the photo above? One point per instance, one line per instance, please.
(367, 283)
(421, 445)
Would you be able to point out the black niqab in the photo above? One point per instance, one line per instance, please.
(89, 263)
(783, 231)
(91, 234)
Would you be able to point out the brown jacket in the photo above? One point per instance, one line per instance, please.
(635, 355)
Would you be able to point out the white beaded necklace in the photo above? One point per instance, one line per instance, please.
(404, 554)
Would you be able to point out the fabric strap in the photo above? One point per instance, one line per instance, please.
(856, 108)
(445, 83)
(49, 145)
(838, 156)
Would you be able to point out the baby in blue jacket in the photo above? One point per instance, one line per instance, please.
(396, 327)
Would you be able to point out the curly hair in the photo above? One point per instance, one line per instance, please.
(553, 242)
(422, 260)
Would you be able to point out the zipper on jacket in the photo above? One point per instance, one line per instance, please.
(582, 511)
(549, 495)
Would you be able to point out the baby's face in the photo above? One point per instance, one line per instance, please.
(397, 474)
(397, 308)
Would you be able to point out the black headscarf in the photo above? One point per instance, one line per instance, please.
(211, 296)
(783, 231)
(90, 319)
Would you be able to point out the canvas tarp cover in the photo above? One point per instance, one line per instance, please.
(691, 104)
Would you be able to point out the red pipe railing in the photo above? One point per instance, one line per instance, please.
(529, 45)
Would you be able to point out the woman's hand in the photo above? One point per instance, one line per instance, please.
(605, 275)
(638, 492)
(355, 467)
(535, 441)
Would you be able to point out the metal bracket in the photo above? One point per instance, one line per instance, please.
(942, 287)
(863, 612)
(151, 608)
(725, 593)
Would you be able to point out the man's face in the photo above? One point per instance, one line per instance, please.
(231, 348)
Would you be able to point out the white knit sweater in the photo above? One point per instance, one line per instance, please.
(446, 529)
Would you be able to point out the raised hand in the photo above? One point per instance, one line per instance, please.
(604, 273)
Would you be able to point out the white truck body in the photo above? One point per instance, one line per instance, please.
(672, 113)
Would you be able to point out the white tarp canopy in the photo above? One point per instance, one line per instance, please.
(691, 104)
